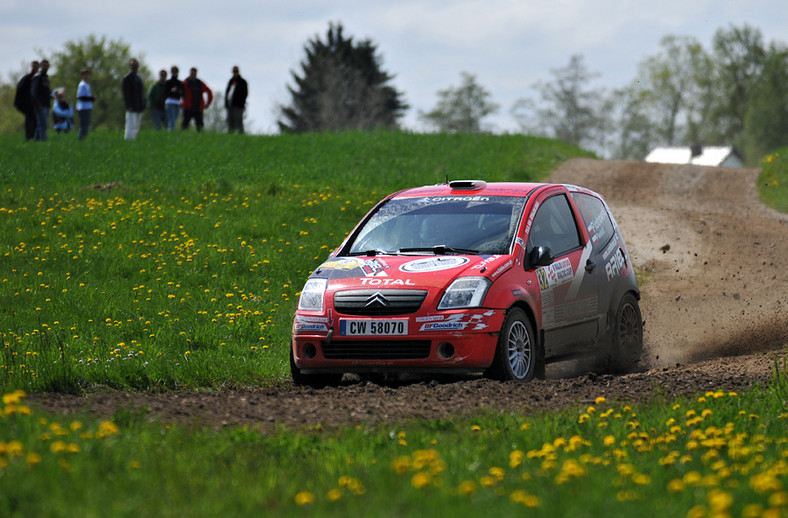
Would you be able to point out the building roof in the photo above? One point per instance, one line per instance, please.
(708, 155)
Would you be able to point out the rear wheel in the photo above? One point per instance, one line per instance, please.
(313, 380)
(517, 356)
(626, 342)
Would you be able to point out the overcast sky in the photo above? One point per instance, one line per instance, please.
(507, 44)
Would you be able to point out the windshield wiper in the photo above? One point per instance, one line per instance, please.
(440, 250)
(372, 252)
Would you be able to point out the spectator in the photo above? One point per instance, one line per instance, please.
(41, 96)
(156, 100)
(134, 100)
(62, 112)
(172, 105)
(194, 101)
(24, 103)
(85, 100)
(235, 101)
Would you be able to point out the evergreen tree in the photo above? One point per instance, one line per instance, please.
(342, 86)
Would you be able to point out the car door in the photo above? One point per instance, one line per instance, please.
(568, 286)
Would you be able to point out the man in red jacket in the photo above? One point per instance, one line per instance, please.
(194, 100)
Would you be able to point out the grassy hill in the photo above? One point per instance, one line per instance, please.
(176, 260)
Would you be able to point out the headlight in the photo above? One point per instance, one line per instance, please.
(312, 295)
(465, 292)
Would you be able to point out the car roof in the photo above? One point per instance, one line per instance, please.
(472, 188)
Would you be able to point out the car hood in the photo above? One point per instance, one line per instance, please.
(433, 271)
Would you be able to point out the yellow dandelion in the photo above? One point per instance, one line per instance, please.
(304, 498)
(466, 487)
(420, 480)
(334, 494)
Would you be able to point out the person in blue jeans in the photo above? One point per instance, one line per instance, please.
(41, 96)
(174, 92)
(85, 100)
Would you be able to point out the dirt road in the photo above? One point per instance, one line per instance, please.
(715, 295)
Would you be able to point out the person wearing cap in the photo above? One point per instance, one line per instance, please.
(62, 112)
(85, 100)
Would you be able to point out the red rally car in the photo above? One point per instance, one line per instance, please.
(499, 278)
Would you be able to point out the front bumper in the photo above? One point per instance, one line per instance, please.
(424, 351)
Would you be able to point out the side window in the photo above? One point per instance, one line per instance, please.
(596, 219)
(554, 227)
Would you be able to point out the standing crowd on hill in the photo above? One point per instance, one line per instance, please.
(164, 100)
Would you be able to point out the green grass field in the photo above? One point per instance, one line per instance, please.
(175, 262)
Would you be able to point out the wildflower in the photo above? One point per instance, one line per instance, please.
(497, 473)
(304, 498)
(516, 458)
(33, 458)
(466, 487)
(334, 494)
(598, 401)
(676, 485)
(106, 428)
(609, 440)
(420, 479)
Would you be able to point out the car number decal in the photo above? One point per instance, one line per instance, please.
(366, 327)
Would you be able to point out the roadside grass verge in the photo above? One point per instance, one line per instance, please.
(720, 454)
(773, 180)
(176, 261)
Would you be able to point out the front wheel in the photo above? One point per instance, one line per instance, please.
(313, 380)
(517, 356)
(626, 342)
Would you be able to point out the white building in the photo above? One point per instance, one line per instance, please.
(719, 156)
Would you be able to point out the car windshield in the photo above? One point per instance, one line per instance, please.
(441, 225)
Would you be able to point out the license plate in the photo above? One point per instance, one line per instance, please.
(388, 327)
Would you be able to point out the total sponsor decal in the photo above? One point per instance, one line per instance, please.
(433, 264)
(558, 273)
(386, 281)
(311, 324)
(456, 322)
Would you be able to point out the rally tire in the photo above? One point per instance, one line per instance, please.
(626, 340)
(517, 354)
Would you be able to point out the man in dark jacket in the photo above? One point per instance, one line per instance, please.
(41, 98)
(24, 103)
(235, 101)
(134, 98)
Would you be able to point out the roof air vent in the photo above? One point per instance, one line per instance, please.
(467, 185)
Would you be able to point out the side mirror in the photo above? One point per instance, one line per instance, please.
(540, 256)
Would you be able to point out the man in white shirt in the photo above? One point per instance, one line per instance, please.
(85, 101)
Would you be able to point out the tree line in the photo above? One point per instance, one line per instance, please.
(730, 94)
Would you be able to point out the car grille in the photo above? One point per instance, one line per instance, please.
(378, 302)
(377, 350)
